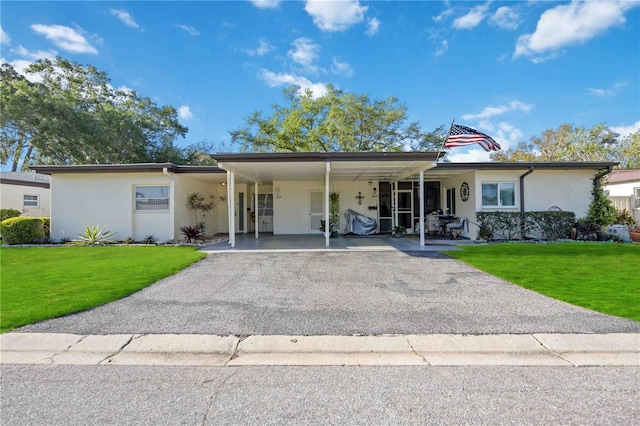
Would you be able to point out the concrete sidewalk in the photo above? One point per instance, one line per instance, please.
(621, 349)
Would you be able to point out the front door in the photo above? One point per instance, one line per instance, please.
(405, 208)
(316, 210)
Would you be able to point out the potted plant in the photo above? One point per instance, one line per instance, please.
(398, 231)
(634, 233)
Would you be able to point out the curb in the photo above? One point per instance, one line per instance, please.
(620, 349)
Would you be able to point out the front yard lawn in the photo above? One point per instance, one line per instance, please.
(38, 283)
(603, 277)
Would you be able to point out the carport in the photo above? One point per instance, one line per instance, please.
(329, 167)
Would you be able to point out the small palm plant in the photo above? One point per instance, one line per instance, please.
(94, 235)
(192, 233)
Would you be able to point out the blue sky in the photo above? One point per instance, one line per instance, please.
(510, 69)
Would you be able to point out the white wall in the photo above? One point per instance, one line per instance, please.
(106, 199)
(184, 216)
(291, 206)
(11, 197)
(624, 189)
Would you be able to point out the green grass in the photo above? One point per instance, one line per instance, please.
(603, 277)
(38, 283)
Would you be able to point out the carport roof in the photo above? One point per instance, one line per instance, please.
(301, 166)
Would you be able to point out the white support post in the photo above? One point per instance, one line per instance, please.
(421, 198)
(229, 209)
(232, 216)
(395, 204)
(327, 207)
(255, 210)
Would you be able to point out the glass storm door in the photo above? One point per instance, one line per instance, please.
(405, 209)
(316, 211)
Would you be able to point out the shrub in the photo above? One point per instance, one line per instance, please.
(508, 225)
(553, 224)
(516, 225)
(8, 214)
(601, 209)
(149, 239)
(46, 226)
(22, 230)
(192, 233)
(94, 235)
(624, 217)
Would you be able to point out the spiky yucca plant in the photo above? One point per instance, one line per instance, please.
(95, 235)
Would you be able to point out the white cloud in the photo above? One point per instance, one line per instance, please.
(471, 19)
(625, 131)
(611, 91)
(335, 15)
(4, 37)
(188, 28)
(498, 110)
(65, 38)
(444, 46)
(506, 17)
(374, 26)
(305, 53)
(263, 48)
(34, 56)
(572, 23)
(338, 67)
(266, 4)
(472, 155)
(281, 79)
(448, 11)
(184, 112)
(125, 17)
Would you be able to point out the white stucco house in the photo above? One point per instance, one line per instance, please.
(623, 189)
(26, 192)
(288, 193)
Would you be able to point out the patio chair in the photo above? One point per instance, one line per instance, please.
(460, 226)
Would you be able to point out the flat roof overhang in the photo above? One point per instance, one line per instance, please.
(311, 166)
(211, 174)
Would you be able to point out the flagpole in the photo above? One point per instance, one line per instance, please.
(446, 139)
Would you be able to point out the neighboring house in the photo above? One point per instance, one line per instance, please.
(26, 192)
(288, 193)
(623, 189)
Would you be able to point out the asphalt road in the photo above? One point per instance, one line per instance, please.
(105, 395)
(334, 293)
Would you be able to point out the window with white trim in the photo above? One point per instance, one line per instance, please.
(151, 198)
(499, 194)
(636, 192)
(30, 201)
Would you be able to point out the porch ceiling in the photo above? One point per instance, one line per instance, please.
(266, 172)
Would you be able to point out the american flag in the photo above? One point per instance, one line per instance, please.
(463, 135)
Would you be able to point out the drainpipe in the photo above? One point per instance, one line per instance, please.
(596, 180)
(172, 197)
(528, 172)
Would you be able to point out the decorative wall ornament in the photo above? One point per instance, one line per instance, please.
(464, 191)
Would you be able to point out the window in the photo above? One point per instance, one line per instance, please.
(29, 201)
(265, 205)
(636, 192)
(451, 201)
(152, 198)
(501, 194)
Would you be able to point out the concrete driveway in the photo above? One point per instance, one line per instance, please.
(334, 293)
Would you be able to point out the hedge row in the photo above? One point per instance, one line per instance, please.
(24, 230)
(518, 225)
